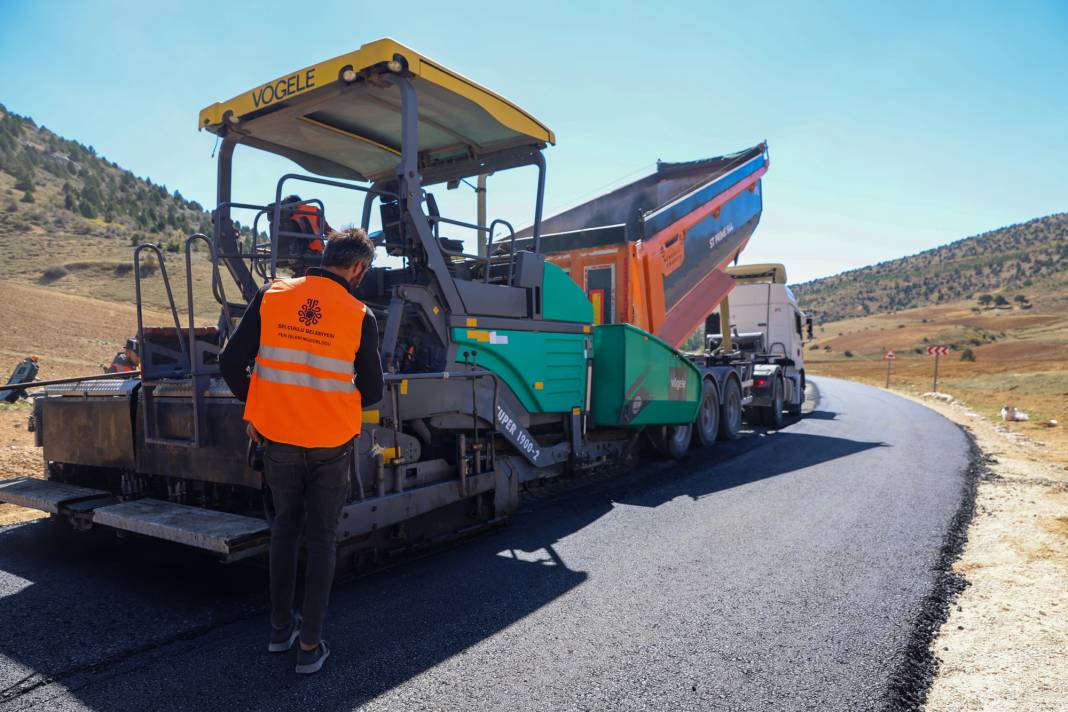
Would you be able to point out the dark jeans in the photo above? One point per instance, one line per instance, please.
(309, 487)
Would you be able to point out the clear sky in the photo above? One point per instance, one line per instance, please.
(892, 126)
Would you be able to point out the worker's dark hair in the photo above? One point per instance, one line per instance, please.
(347, 247)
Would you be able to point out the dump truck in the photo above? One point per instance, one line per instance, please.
(500, 372)
(657, 254)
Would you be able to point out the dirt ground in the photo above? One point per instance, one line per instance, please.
(1020, 359)
(72, 336)
(1003, 646)
(18, 456)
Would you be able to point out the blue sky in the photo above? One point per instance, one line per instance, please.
(892, 127)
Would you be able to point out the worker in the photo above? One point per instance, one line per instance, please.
(304, 217)
(126, 360)
(315, 348)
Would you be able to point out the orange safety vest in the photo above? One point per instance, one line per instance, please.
(307, 216)
(302, 390)
(120, 364)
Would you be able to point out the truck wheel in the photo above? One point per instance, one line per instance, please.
(706, 429)
(730, 413)
(672, 440)
(773, 413)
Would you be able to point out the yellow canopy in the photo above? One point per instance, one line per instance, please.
(339, 118)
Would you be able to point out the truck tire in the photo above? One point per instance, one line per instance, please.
(706, 428)
(672, 440)
(730, 413)
(772, 414)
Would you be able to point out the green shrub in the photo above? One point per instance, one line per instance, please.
(51, 274)
(967, 355)
(848, 354)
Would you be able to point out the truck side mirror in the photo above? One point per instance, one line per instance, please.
(808, 326)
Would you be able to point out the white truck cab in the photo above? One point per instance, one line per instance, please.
(768, 327)
(770, 309)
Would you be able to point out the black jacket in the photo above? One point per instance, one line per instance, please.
(237, 357)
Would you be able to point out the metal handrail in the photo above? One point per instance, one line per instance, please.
(511, 253)
(216, 283)
(277, 212)
(487, 258)
(170, 297)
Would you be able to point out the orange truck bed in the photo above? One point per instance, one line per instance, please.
(653, 252)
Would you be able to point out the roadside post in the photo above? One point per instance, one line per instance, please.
(936, 351)
(889, 356)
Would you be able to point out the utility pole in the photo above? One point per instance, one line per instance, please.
(889, 356)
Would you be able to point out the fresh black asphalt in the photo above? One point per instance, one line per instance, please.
(783, 571)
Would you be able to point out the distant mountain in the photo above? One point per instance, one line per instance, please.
(59, 183)
(1018, 259)
(69, 218)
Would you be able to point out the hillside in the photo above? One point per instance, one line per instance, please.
(1026, 259)
(69, 219)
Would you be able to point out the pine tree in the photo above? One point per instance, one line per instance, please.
(87, 209)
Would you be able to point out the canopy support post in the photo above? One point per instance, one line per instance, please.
(410, 190)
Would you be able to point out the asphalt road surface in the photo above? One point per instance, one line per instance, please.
(780, 572)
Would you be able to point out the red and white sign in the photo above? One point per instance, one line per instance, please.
(889, 355)
(937, 350)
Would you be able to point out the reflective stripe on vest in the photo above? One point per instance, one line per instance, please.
(325, 363)
(302, 390)
(296, 378)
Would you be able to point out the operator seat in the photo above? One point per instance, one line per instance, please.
(451, 248)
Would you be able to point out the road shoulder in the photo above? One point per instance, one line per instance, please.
(1002, 645)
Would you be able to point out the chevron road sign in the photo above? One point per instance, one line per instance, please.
(936, 351)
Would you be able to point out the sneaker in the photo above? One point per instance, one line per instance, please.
(282, 640)
(309, 661)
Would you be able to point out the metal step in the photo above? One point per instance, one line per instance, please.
(45, 495)
(232, 535)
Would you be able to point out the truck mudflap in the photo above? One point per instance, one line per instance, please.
(232, 536)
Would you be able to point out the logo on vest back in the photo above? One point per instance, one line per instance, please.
(310, 312)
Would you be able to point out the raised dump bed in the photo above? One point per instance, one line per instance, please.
(653, 252)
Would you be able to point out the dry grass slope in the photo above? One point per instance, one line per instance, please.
(1027, 259)
(69, 220)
